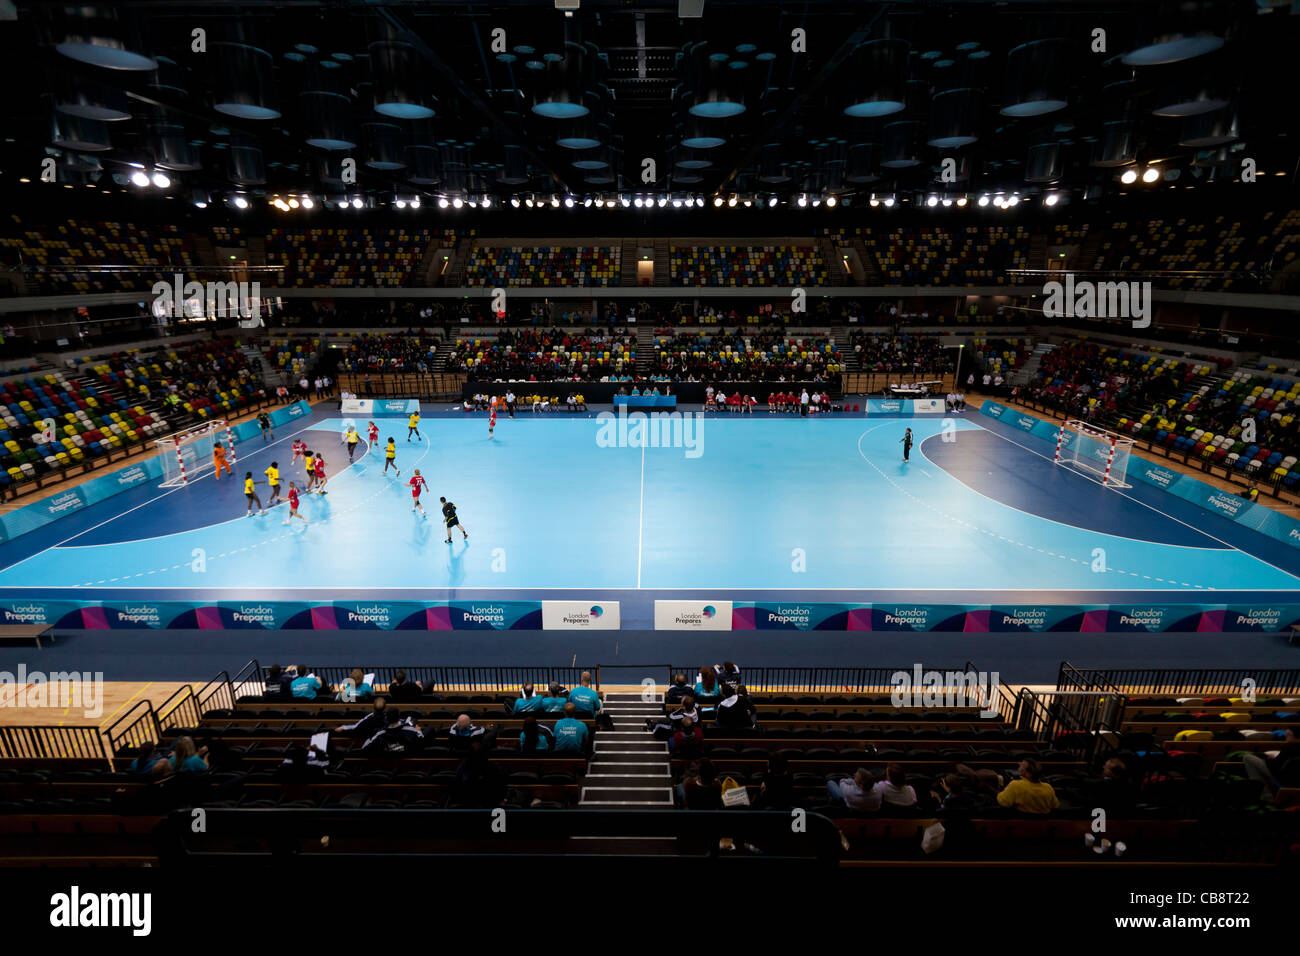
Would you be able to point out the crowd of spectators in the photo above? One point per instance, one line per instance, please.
(765, 354)
(901, 351)
(410, 351)
(538, 355)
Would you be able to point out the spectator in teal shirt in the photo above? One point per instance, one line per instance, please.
(536, 737)
(529, 701)
(584, 698)
(186, 759)
(305, 685)
(355, 688)
(554, 703)
(570, 733)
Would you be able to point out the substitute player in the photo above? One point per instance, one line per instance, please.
(293, 504)
(449, 515)
(413, 426)
(251, 494)
(417, 484)
(219, 461)
(352, 438)
(390, 458)
(907, 444)
(273, 479)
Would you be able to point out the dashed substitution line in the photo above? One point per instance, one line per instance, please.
(1001, 537)
(257, 544)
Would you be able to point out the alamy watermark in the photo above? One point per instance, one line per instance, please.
(624, 429)
(1085, 299)
(178, 299)
(66, 689)
(922, 688)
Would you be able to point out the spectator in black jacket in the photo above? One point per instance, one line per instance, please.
(370, 724)
(664, 729)
(735, 710)
(777, 791)
(678, 690)
(401, 690)
(1276, 772)
(277, 683)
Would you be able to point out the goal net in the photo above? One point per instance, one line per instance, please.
(188, 455)
(1095, 453)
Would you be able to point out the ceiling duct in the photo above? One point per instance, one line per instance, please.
(560, 95)
(398, 81)
(718, 92)
(1046, 163)
(691, 159)
(78, 134)
(582, 132)
(170, 79)
(243, 84)
(861, 166)
(172, 149)
(384, 146)
(1117, 145)
(246, 166)
(1037, 78)
(422, 163)
(699, 132)
(1216, 128)
(102, 37)
(94, 101)
(1199, 95)
(594, 159)
(900, 150)
(771, 168)
(877, 74)
(1183, 29)
(954, 116)
(514, 170)
(325, 108)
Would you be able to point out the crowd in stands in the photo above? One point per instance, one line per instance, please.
(1087, 379)
(347, 256)
(948, 255)
(1221, 252)
(900, 351)
(544, 266)
(765, 354)
(741, 266)
(999, 357)
(70, 256)
(544, 356)
(409, 351)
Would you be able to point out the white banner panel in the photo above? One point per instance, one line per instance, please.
(580, 616)
(692, 615)
(380, 406)
(928, 406)
(357, 406)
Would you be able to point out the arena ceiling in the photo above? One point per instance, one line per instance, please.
(767, 102)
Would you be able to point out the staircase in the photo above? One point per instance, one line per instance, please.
(662, 279)
(870, 274)
(455, 274)
(629, 768)
(835, 273)
(1037, 252)
(627, 275)
(1025, 374)
(204, 251)
(645, 348)
(270, 378)
(1089, 252)
(848, 358)
(426, 273)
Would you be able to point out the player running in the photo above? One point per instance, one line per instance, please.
(417, 484)
(907, 444)
(273, 479)
(492, 420)
(352, 439)
(372, 431)
(264, 420)
(390, 458)
(449, 515)
(318, 477)
(251, 494)
(293, 504)
(413, 426)
(299, 449)
(309, 459)
(219, 461)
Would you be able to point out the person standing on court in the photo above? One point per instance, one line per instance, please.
(803, 404)
(907, 444)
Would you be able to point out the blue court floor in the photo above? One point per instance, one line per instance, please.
(774, 505)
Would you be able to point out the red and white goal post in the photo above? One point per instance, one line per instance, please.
(1095, 453)
(188, 455)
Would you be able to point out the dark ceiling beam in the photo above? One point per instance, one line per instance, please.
(504, 132)
(800, 103)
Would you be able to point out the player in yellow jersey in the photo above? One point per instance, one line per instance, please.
(251, 494)
(309, 459)
(273, 479)
(390, 458)
(413, 426)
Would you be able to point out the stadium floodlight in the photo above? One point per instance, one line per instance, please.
(1051, 199)
(772, 201)
(889, 202)
(624, 201)
(816, 202)
(932, 201)
(241, 202)
(400, 203)
(962, 200)
(999, 201)
(731, 203)
(308, 202)
(1151, 174)
(717, 202)
(662, 201)
(874, 202)
(443, 204)
(677, 203)
(748, 203)
(947, 202)
(568, 202)
(638, 202)
(1129, 177)
(514, 201)
(415, 203)
(485, 202)
(831, 201)
(139, 178)
(356, 202)
(803, 201)
(160, 180)
(699, 201)
(457, 203)
(293, 202)
(984, 200)
(1011, 201)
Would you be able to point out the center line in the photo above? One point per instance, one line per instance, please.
(640, 519)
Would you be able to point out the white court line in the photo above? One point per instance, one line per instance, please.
(1228, 545)
(640, 521)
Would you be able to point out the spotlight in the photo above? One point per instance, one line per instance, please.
(803, 201)
(1012, 200)
(356, 202)
(831, 201)
(241, 202)
(962, 200)
(932, 201)
(139, 178)
(748, 203)
(1051, 199)
(624, 201)
(586, 203)
(732, 202)
(677, 204)
(662, 201)
(161, 181)
(200, 204)
(443, 204)
(514, 201)
(984, 200)
(308, 203)
(555, 202)
(400, 204)
(772, 201)
(889, 202)
(293, 203)
(486, 202)
(947, 202)
(999, 202)
(816, 203)
(415, 203)
(457, 203)
(717, 202)
(874, 202)
(699, 201)
(638, 202)
(1151, 175)
(568, 202)
(1130, 176)
(473, 204)
(599, 202)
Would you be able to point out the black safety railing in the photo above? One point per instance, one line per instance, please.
(181, 709)
(52, 743)
(137, 726)
(323, 836)
(824, 680)
(1191, 682)
(504, 679)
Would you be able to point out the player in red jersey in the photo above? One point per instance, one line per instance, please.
(492, 420)
(299, 449)
(320, 475)
(417, 484)
(293, 504)
(372, 432)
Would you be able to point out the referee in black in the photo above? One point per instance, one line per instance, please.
(907, 444)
